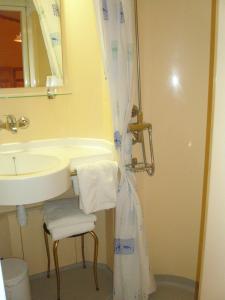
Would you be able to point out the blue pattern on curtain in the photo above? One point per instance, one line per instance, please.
(132, 277)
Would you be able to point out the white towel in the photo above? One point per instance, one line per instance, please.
(59, 233)
(97, 185)
(63, 213)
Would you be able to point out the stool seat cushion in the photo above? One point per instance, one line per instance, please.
(64, 219)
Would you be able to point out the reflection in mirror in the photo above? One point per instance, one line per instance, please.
(30, 48)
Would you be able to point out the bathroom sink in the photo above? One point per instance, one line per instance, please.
(39, 170)
(29, 177)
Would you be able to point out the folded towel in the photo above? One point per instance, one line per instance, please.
(60, 213)
(97, 185)
(51, 205)
(59, 233)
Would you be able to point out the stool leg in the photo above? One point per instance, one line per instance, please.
(55, 253)
(47, 251)
(82, 247)
(95, 258)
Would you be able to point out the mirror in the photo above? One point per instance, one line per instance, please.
(30, 47)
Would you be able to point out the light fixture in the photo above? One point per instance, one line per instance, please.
(18, 38)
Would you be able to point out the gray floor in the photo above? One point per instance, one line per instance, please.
(167, 292)
(78, 284)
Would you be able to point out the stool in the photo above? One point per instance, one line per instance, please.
(62, 219)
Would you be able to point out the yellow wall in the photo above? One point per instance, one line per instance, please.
(84, 113)
(173, 35)
(175, 38)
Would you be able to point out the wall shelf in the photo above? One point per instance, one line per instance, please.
(31, 95)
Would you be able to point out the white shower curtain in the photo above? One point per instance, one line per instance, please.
(49, 16)
(132, 277)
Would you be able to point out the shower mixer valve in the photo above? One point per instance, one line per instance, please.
(137, 129)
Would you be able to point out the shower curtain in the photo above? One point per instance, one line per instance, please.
(49, 16)
(132, 277)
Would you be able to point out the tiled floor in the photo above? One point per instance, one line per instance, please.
(78, 284)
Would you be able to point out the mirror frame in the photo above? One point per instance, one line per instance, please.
(27, 92)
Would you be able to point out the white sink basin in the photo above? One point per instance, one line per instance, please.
(26, 163)
(36, 171)
(28, 178)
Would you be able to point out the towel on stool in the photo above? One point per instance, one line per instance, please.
(63, 213)
(58, 233)
(97, 185)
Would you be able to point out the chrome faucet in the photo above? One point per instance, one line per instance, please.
(12, 124)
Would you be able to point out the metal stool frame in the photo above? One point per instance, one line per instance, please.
(55, 255)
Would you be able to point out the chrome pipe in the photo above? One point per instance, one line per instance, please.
(138, 128)
(138, 56)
